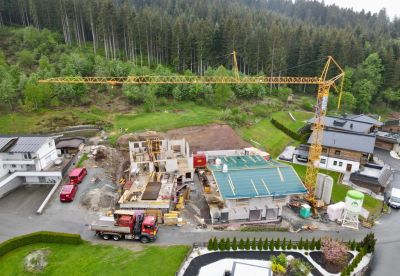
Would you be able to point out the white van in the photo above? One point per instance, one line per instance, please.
(394, 199)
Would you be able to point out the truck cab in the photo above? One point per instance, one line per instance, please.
(394, 199)
(127, 224)
(77, 175)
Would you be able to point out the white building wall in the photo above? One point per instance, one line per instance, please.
(46, 155)
(331, 161)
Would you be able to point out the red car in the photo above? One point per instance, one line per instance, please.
(68, 193)
(77, 175)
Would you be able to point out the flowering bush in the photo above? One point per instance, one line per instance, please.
(334, 251)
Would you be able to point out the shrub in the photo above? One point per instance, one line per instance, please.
(318, 244)
(300, 244)
(38, 237)
(289, 246)
(299, 268)
(221, 244)
(280, 260)
(234, 244)
(306, 245)
(369, 242)
(260, 244)
(353, 245)
(215, 244)
(227, 244)
(210, 244)
(241, 244)
(265, 246)
(283, 244)
(312, 244)
(278, 269)
(247, 246)
(334, 251)
(286, 130)
(271, 245)
(294, 246)
(278, 243)
(254, 244)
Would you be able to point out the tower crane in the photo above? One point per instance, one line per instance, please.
(323, 82)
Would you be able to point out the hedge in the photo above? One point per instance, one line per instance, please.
(38, 237)
(286, 130)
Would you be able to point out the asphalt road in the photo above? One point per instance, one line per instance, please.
(18, 216)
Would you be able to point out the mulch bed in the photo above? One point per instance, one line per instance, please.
(318, 257)
(203, 260)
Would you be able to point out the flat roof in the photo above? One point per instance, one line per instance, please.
(253, 176)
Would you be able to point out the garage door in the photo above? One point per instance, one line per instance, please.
(255, 215)
(224, 216)
(272, 213)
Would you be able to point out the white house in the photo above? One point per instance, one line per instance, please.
(27, 160)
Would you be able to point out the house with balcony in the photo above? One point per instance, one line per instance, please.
(27, 160)
(341, 151)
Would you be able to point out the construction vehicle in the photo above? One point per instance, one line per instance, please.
(127, 224)
(324, 83)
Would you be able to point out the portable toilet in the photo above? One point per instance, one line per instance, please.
(305, 211)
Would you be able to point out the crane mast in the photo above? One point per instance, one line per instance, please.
(323, 83)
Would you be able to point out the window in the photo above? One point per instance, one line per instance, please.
(27, 155)
(323, 161)
(13, 165)
(324, 150)
(335, 163)
(135, 145)
(340, 164)
(188, 175)
(337, 152)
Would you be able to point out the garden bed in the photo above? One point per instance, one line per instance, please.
(318, 257)
(197, 263)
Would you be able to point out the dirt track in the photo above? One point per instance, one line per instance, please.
(209, 137)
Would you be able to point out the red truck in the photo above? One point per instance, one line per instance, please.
(127, 224)
(77, 175)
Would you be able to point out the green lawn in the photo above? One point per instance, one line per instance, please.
(300, 116)
(268, 136)
(83, 158)
(177, 116)
(339, 190)
(87, 259)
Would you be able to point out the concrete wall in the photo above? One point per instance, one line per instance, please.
(240, 209)
(10, 185)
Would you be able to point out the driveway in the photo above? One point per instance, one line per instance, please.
(17, 216)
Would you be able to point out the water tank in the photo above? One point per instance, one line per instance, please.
(218, 162)
(225, 168)
(354, 201)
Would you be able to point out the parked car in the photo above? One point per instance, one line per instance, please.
(77, 175)
(68, 193)
(394, 199)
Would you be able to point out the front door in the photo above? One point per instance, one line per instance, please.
(348, 167)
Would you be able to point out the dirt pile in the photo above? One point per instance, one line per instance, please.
(36, 261)
(123, 141)
(99, 198)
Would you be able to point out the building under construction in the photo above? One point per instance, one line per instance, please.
(159, 170)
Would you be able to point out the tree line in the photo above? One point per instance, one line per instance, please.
(196, 36)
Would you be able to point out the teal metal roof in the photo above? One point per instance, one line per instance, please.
(253, 176)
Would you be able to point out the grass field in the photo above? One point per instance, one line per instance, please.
(267, 136)
(87, 259)
(300, 116)
(339, 190)
(188, 114)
